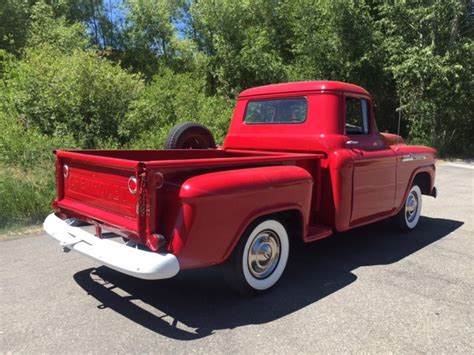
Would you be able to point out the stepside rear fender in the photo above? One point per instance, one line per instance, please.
(218, 207)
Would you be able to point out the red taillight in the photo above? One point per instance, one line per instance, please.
(65, 171)
(132, 185)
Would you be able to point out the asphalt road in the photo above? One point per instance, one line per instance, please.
(369, 290)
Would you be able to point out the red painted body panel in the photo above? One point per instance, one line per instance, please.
(407, 170)
(302, 86)
(202, 201)
(218, 207)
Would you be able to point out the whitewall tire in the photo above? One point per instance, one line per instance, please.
(410, 212)
(259, 259)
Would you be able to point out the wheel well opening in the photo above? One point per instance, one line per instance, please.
(423, 180)
(293, 221)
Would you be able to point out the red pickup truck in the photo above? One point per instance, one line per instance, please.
(300, 162)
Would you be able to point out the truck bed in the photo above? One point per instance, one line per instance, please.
(93, 185)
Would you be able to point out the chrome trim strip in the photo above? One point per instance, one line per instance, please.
(412, 157)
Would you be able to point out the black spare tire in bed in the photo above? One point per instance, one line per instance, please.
(189, 135)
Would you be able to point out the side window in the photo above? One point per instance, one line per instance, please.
(357, 116)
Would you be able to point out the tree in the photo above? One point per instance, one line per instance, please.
(149, 35)
(14, 21)
(46, 29)
(241, 41)
(429, 51)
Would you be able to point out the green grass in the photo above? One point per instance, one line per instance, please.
(12, 232)
(25, 196)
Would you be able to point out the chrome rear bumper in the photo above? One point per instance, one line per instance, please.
(123, 258)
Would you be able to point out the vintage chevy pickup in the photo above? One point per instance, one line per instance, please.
(300, 162)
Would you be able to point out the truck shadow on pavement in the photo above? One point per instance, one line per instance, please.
(196, 303)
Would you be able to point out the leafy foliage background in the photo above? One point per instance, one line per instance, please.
(120, 73)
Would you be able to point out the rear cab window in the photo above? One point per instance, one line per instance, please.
(283, 111)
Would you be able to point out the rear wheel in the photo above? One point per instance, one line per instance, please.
(259, 259)
(189, 136)
(408, 217)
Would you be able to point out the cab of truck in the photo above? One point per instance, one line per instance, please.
(369, 172)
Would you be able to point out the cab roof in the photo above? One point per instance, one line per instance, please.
(322, 85)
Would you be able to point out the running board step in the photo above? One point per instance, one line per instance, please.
(318, 232)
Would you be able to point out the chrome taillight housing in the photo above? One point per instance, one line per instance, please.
(132, 185)
(159, 180)
(65, 171)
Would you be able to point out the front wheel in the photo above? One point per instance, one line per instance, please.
(259, 259)
(408, 217)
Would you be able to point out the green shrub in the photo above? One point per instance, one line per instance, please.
(25, 195)
(61, 95)
(26, 173)
(24, 147)
(169, 99)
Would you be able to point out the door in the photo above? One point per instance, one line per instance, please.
(374, 175)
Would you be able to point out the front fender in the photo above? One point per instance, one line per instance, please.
(217, 208)
(430, 170)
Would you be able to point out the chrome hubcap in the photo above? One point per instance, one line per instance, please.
(411, 207)
(264, 254)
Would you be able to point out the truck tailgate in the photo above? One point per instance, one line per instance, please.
(99, 191)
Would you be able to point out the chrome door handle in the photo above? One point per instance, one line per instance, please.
(352, 142)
